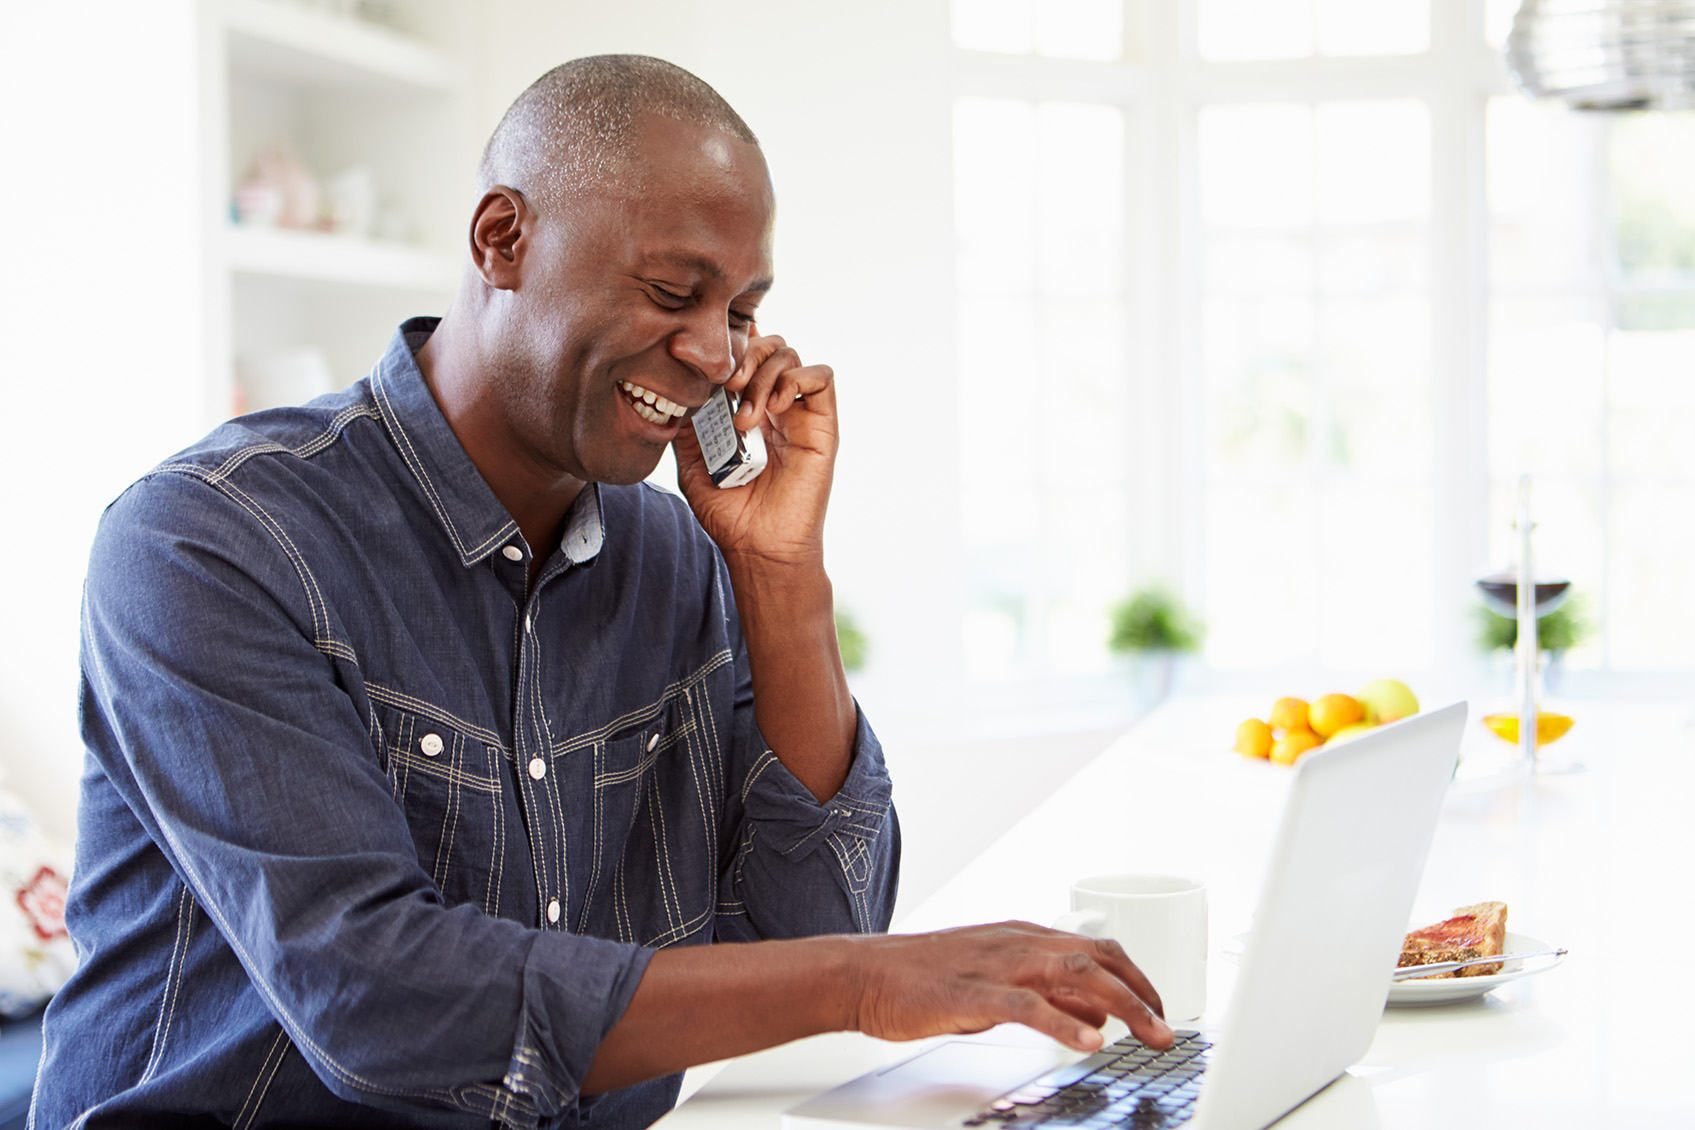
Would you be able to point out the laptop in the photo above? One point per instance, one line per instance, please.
(1314, 978)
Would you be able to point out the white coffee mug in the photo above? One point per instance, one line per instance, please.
(1161, 921)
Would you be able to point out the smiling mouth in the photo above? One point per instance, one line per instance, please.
(652, 407)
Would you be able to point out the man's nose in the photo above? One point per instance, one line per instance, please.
(705, 346)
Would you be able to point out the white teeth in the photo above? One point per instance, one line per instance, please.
(650, 405)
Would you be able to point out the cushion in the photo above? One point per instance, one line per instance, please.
(36, 955)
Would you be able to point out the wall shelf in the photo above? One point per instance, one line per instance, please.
(312, 50)
(333, 94)
(315, 257)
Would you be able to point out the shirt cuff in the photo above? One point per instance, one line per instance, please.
(793, 823)
(568, 979)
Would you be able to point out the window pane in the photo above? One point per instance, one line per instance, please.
(1650, 598)
(1315, 342)
(1258, 359)
(1080, 29)
(1373, 263)
(1043, 389)
(1653, 190)
(1063, 29)
(1377, 371)
(1373, 161)
(1006, 26)
(1261, 587)
(994, 203)
(1545, 389)
(1255, 29)
(1256, 165)
(1544, 195)
(1084, 394)
(1080, 176)
(1372, 543)
(1651, 402)
(1380, 27)
(1253, 263)
(997, 357)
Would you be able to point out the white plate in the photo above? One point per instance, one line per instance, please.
(1452, 990)
(1445, 990)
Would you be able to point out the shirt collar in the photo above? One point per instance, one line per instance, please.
(473, 518)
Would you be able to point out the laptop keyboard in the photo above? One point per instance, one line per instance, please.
(1123, 1084)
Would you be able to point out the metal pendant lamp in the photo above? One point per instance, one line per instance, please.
(1606, 54)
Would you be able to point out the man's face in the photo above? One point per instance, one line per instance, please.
(630, 311)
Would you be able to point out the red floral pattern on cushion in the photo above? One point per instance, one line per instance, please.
(43, 899)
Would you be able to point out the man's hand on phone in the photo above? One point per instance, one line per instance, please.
(779, 516)
(771, 533)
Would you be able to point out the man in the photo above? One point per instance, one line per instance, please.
(427, 746)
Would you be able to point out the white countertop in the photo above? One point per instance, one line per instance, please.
(1599, 861)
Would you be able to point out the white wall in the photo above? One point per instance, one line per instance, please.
(101, 331)
(105, 343)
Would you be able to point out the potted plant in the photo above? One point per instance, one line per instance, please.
(850, 638)
(1556, 633)
(1153, 628)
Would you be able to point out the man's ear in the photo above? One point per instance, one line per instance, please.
(500, 229)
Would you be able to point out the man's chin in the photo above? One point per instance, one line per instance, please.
(625, 472)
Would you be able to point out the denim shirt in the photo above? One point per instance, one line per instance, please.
(374, 832)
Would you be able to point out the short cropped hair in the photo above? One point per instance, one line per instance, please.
(574, 128)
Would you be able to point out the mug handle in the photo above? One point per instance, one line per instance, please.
(1089, 923)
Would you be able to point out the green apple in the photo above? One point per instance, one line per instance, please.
(1349, 733)
(1385, 700)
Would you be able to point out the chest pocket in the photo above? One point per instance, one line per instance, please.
(656, 789)
(449, 784)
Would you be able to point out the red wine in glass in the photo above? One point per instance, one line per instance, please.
(1500, 593)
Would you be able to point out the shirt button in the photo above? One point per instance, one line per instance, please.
(538, 768)
(651, 742)
(513, 553)
(553, 910)
(430, 744)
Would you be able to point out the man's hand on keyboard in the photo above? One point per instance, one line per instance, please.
(971, 979)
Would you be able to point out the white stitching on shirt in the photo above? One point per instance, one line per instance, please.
(766, 760)
(403, 444)
(267, 1072)
(324, 439)
(491, 900)
(449, 816)
(394, 698)
(173, 984)
(642, 714)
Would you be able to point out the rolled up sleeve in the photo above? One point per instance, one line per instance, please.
(802, 867)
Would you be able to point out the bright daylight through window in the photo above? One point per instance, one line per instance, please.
(1376, 241)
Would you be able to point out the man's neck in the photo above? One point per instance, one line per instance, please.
(538, 502)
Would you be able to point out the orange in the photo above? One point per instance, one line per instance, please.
(1253, 738)
(1333, 712)
(1291, 745)
(1289, 715)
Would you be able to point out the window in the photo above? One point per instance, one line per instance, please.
(1591, 344)
(1039, 215)
(1314, 338)
(1378, 294)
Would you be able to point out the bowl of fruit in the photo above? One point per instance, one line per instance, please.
(1296, 727)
